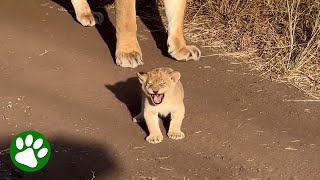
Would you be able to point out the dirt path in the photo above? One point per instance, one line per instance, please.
(59, 78)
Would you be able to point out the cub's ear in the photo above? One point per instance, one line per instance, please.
(175, 76)
(142, 76)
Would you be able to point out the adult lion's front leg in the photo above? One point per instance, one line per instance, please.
(128, 52)
(177, 48)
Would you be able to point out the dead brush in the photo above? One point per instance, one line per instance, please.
(281, 38)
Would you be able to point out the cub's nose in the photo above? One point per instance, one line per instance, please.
(156, 92)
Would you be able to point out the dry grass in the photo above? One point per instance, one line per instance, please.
(280, 38)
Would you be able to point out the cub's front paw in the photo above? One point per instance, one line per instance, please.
(185, 53)
(90, 19)
(154, 139)
(131, 59)
(176, 135)
(138, 118)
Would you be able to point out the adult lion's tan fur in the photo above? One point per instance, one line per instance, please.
(128, 52)
(162, 95)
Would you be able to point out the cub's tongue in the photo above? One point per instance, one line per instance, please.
(157, 98)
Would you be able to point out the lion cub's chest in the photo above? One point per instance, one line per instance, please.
(164, 111)
(166, 107)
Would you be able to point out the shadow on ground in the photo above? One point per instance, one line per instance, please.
(70, 159)
(129, 92)
(149, 13)
(106, 30)
(147, 10)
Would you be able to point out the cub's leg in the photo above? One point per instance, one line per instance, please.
(84, 14)
(177, 48)
(175, 124)
(128, 53)
(152, 121)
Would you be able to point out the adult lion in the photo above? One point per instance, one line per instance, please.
(128, 52)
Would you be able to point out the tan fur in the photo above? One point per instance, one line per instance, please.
(164, 81)
(128, 52)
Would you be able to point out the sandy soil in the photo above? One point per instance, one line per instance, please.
(59, 78)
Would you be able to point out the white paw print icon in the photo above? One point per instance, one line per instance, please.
(28, 156)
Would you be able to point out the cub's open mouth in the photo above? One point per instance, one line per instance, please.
(157, 98)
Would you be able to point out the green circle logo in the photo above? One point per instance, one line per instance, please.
(30, 151)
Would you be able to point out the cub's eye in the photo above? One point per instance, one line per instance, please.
(162, 84)
(149, 83)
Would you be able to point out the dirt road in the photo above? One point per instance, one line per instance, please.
(59, 78)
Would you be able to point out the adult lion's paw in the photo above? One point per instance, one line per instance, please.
(154, 139)
(176, 135)
(90, 19)
(185, 53)
(131, 59)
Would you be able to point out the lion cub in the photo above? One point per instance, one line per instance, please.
(162, 95)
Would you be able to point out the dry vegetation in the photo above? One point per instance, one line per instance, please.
(280, 38)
